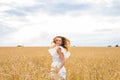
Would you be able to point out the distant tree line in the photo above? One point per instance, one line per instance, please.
(20, 45)
(115, 45)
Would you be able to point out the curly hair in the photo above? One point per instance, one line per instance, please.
(65, 42)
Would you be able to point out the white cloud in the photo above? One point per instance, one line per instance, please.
(68, 23)
(92, 2)
(4, 8)
(30, 30)
(39, 27)
(18, 2)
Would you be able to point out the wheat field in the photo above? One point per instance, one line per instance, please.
(85, 63)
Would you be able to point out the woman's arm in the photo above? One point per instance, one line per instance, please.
(61, 57)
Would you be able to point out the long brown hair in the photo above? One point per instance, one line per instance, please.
(65, 42)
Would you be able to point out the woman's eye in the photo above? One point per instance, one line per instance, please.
(57, 40)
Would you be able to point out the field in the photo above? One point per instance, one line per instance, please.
(85, 63)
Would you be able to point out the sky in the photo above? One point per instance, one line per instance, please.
(37, 22)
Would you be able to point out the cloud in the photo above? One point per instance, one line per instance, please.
(89, 7)
(19, 8)
(97, 38)
(62, 8)
(36, 22)
(29, 29)
(18, 3)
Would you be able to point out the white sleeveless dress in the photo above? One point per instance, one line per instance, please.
(57, 61)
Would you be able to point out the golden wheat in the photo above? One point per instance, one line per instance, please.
(85, 63)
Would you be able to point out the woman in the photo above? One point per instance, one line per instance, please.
(59, 53)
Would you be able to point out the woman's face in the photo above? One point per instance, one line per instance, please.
(58, 41)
